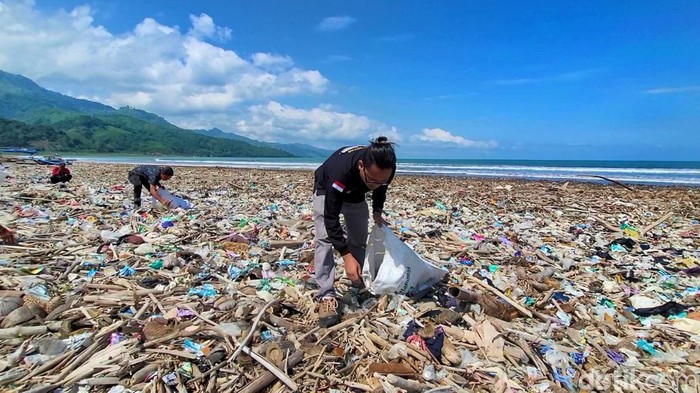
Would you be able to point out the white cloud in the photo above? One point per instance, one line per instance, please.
(673, 90)
(440, 136)
(282, 123)
(154, 67)
(203, 27)
(272, 62)
(572, 76)
(334, 23)
(178, 74)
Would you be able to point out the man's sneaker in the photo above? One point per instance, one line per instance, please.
(327, 313)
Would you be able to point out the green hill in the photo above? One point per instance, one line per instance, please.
(20, 97)
(122, 134)
(298, 149)
(33, 116)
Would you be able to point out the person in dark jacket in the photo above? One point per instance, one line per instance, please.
(60, 174)
(340, 186)
(149, 176)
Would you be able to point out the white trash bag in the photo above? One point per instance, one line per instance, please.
(175, 202)
(392, 267)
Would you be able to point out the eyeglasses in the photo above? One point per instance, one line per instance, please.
(370, 180)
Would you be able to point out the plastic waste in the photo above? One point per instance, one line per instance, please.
(397, 351)
(267, 271)
(144, 249)
(667, 310)
(369, 303)
(35, 359)
(646, 346)
(467, 358)
(39, 291)
(615, 356)
(174, 202)
(234, 272)
(617, 248)
(115, 338)
(127, 271)
(206, 290)
(629, 231)
(564, 318)
(52, 346)
(429, 373)
(192, 347)
(547, 250)
(157, 264)
(185, 370)
(170, 379)
(392, 267)
(523, 226)
(578, 358)
(465, 261)
(109, 236)
(266, 335)
(235, 329)
(395, 303)
(184, 313)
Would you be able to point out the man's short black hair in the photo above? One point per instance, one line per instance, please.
(167, 171)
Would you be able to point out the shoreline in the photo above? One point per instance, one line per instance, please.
(664, 174)
(584, 179)
(436, 176)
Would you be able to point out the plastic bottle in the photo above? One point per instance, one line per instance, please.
(429, 373)
(467, 358)
(397, 351)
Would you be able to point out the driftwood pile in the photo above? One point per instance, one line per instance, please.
(551, 287)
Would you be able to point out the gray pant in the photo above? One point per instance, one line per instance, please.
(356, 218)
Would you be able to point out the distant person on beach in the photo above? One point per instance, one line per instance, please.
(7, 236)
(340, 186)
(60, 174)
(149, 176)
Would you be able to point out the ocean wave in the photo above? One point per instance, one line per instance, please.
(669, 171)
(659, 176)
(694, 181)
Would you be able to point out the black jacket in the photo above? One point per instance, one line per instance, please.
(149, 172)
(339, 180)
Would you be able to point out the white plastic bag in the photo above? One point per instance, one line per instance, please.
(174, 201)
(392, 267)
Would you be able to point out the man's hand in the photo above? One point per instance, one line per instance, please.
(378, 219)
(352, 269)
(7, 236)
(155, 194)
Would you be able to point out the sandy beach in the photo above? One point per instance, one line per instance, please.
(553, 254)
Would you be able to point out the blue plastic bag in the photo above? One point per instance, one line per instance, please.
(206, 290)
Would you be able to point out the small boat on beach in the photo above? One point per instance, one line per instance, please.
(51, 160)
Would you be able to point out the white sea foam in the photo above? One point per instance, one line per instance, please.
(667, 176)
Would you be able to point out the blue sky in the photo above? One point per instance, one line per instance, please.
(452, 79)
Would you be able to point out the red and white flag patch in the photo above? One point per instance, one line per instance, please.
(339, 186)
